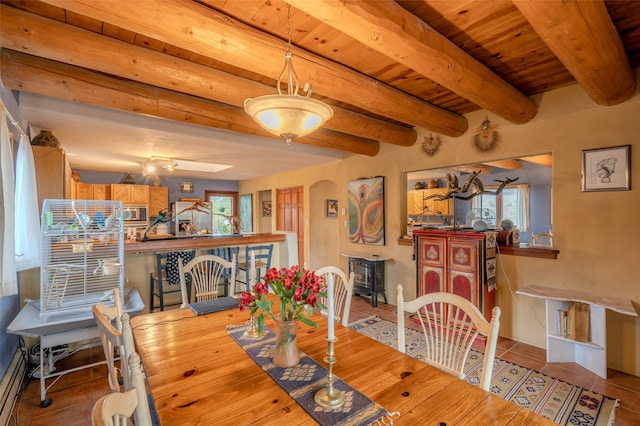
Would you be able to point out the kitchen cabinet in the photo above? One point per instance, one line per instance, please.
(130, 194)
(158, 199)
(91, 191)
(416, 201)
(82, 191)
(53, 173)
(462, 263)
(100, 191)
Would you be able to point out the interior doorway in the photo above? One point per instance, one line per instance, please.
(290, 215)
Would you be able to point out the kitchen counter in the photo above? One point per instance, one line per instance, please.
(173, 243)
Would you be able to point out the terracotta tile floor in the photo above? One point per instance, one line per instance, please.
(74, 394)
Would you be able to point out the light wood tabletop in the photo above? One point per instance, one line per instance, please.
(198, 374)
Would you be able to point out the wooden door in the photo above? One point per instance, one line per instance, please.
(290, 215)
(120, 192)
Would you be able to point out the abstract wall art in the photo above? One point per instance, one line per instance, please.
(366, 211)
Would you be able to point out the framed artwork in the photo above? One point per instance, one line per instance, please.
(332, 208)
(246, 212)
(606, 169)
(186, 186)
(266, 208)
(366, 211)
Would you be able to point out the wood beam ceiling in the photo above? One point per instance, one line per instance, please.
(53, 40)
(42, 76)
(216, 35)
(393, 31)
(582, 36)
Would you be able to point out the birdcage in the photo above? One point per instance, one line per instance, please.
(82, 255)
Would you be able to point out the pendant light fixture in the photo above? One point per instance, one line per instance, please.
(288, 115)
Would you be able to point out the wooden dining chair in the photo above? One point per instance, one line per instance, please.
(450, 324)
(543, 239)
(115, 333)
(109, 322)
(342, 292)
(208, 273)
(116, 409)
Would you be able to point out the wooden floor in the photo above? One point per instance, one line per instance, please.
(74, 394)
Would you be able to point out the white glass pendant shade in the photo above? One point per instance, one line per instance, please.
(288, 116)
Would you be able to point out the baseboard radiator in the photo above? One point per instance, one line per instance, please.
(10, 386)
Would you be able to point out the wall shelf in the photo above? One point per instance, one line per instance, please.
(592, 355)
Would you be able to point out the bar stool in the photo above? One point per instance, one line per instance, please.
(227, 254)
(263, 264)
(161, 284)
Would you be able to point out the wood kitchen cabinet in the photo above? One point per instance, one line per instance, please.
(53, 174)
(158, 199)
(91, 191)
(462, 263)
(130, 194)
(416, 202)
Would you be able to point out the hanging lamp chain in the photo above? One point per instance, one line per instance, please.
(293, 84)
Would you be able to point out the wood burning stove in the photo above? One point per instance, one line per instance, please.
(368, 276)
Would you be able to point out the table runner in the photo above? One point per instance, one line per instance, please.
(302, 381)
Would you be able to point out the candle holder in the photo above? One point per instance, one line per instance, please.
(253, 331)
(330, 397)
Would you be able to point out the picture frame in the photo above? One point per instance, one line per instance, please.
(186, 186)
(332, 208)
(266, 209)
(606, 169)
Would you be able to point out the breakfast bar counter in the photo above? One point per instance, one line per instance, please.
(199, 242)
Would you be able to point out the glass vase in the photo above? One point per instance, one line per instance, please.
(285, 352)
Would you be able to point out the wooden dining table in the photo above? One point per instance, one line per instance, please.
(198, 374)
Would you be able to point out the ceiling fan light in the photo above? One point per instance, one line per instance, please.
(288, 116)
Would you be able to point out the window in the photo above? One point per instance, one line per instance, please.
(224, 207)
(512, 203)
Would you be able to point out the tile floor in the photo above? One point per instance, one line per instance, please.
(74, 394)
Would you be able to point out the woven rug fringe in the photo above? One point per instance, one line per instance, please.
(386, 420)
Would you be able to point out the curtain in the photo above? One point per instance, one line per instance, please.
(9, 284)
(27, 230)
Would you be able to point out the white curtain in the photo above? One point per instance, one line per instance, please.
(9, 283)
(27, 230)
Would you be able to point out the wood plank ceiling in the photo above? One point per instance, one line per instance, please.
(384, 66)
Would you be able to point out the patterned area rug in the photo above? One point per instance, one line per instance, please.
(564, 403)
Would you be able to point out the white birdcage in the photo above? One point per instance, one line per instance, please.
(82, 255)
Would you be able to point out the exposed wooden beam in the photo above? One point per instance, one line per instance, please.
(213, 34)
(542, 160)
(505, 164)
(582, 36)
(22, 31)
(393, 31)
(471, 168)
(42, 76)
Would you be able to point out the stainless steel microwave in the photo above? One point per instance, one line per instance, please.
(135, 215)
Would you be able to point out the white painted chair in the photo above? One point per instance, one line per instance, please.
(120, 336)
(111, 336)
(208, 274)
(544, 239)
(342, 294)
(450, 324)
(116, 409)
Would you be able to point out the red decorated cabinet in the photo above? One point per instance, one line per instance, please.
(462, 263)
